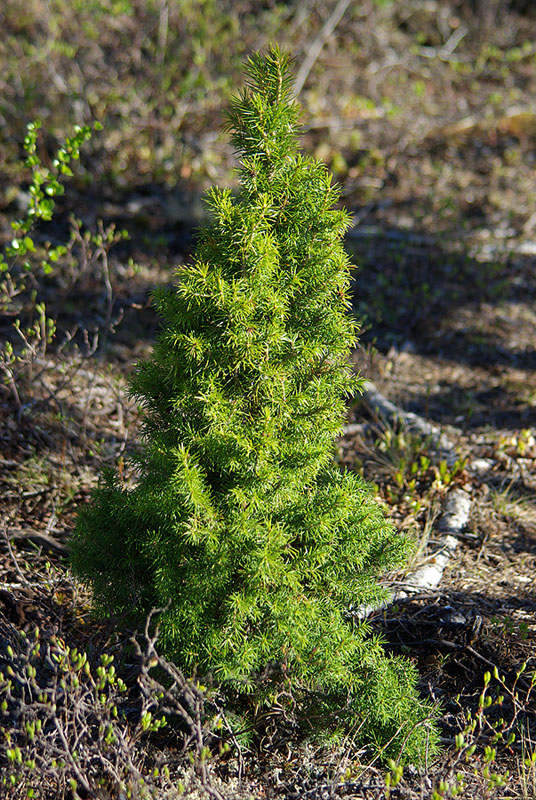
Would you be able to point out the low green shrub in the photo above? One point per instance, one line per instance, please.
(72, 727)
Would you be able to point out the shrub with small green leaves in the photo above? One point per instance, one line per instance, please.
(25, 263)
(239, 524)
(45, 185)
(72, 727)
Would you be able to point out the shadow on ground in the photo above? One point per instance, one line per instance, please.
(409, 286)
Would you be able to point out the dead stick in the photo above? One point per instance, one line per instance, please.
(315, 49)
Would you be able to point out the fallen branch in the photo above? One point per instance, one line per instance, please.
(456, 509)
(40, 538)
(316, 48)
(380, 406)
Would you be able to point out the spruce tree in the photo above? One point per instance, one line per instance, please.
(240, 525)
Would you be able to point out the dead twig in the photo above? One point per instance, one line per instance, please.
(445, 52)
(38, 537)
(316, 47)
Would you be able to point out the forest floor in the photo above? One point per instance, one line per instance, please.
(444, 233)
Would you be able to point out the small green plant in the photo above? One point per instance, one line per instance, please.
(71, 726)
(45, 185)
(393, 776)
(527, 765)
(507, 627)
(240, 525)
(445, 474)
(25, 262)
(497, 722)
(30, 267)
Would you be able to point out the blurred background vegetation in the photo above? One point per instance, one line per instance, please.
(422, 110)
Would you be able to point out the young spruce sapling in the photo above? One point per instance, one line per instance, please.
(240, 525)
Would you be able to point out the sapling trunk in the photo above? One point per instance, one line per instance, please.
(240, 525)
